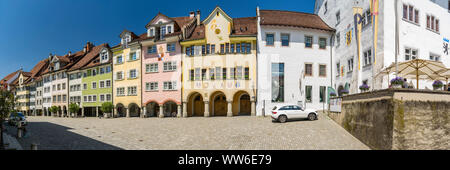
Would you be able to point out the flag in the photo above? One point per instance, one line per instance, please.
(357, 13)
(374, 4)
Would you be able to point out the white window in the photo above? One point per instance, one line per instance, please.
(368, 57)
(170, 66)
(102, 97)
(84, 86)
(108, 97)
(350, 64)
(170, 85)
(151, 68)
(104, 57)
(102, 84)
(119, 59)
(94, 85)
(94, 98)
(132, 74)
(121, 91)
(432, 23)
(108, 83)
(435, 57)
(410, 54)
(152, 86)
(132, 91)
(119, 75)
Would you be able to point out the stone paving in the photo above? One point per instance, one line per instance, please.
(196, 133)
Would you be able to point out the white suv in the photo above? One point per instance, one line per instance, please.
(285, 112)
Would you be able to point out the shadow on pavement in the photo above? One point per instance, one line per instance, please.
(51, 136)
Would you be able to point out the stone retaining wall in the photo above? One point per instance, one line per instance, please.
(401, 119)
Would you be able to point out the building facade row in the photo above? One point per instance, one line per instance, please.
(224, 66)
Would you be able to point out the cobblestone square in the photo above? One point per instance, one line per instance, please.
(196, 133)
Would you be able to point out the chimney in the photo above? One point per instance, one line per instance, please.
(191, 14)
(88, 46)
(70, 53)
(198, 17)
(50, 57)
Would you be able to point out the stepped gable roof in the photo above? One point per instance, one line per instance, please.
(294, 19)
(92, 54)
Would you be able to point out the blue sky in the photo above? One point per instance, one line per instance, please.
(31, 29)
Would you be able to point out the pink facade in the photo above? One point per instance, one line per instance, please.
(161, 96)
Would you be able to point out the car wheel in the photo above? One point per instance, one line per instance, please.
(312, 116)
(282, 119)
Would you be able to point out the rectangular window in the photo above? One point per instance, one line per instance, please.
(108, 83)
(322, 43)
(203, 49)
(213, 49)
(308, 70)
(170, 66)
(119, 75)
(249, 48)
(232, 48)
(132, 74)
(132, 91)
(368, 57)
(171, 47)
(94, 85)
(322, 93)
(211, 74)
(308, 95)
(222, 48)
(188, 51)
(338, 17)
(84, 86)
(102, 70)
(133, 56)
(170, 85)
(227, 48)
(238, 48)
(247, 73)
(152, 86)
(435, 57)
(322, 70)
(338, 39)
(233, 73)
(239, 73)
(94, 98)
(308, 41)
(108, 97)
(218, 73)
(119, 60)
(405, 11)
(350, 64)
(192, 75)
(410, 54)
(203, 74)
(121, 91)
(270, 39)
(277, 82)
(338, 69)
(151, 49)
(102, 84)
(208, 49)
(224, 73)
(197, 74)
(285, 39)
(102, 97)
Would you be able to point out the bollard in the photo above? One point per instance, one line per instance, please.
(19, 130)
(34, 147)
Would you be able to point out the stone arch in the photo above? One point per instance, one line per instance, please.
(121, 110)
(170, 108)
(241, 103)
(218, 105)
(195, 104)
(152, 109)
(134, 110)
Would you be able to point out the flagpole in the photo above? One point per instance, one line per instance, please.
(396, 37)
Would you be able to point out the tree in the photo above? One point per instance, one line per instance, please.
(107, 107)
(54, 109)
(74, 108)
(7, 102)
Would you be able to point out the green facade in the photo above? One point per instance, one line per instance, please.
(89, 78)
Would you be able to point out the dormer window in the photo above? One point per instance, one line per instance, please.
(104, 56)
(151, 32)
(169, 29)
(163, 32)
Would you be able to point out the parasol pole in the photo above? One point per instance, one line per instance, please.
(417, 74)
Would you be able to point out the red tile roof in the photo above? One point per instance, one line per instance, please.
(294, 19)
(38, 68)
(9, 76)
(88, 57)
(245, 26)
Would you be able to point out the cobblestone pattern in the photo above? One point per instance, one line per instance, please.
(197, 133)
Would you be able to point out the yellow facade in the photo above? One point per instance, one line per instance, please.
(206, 91)
(127, 104)
(23, 95)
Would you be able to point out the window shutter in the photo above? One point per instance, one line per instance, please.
(128, 57)
(137, 73)
(123, 75)
(128, 74)
(138, 54)
(115, 60)
(115, 76)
